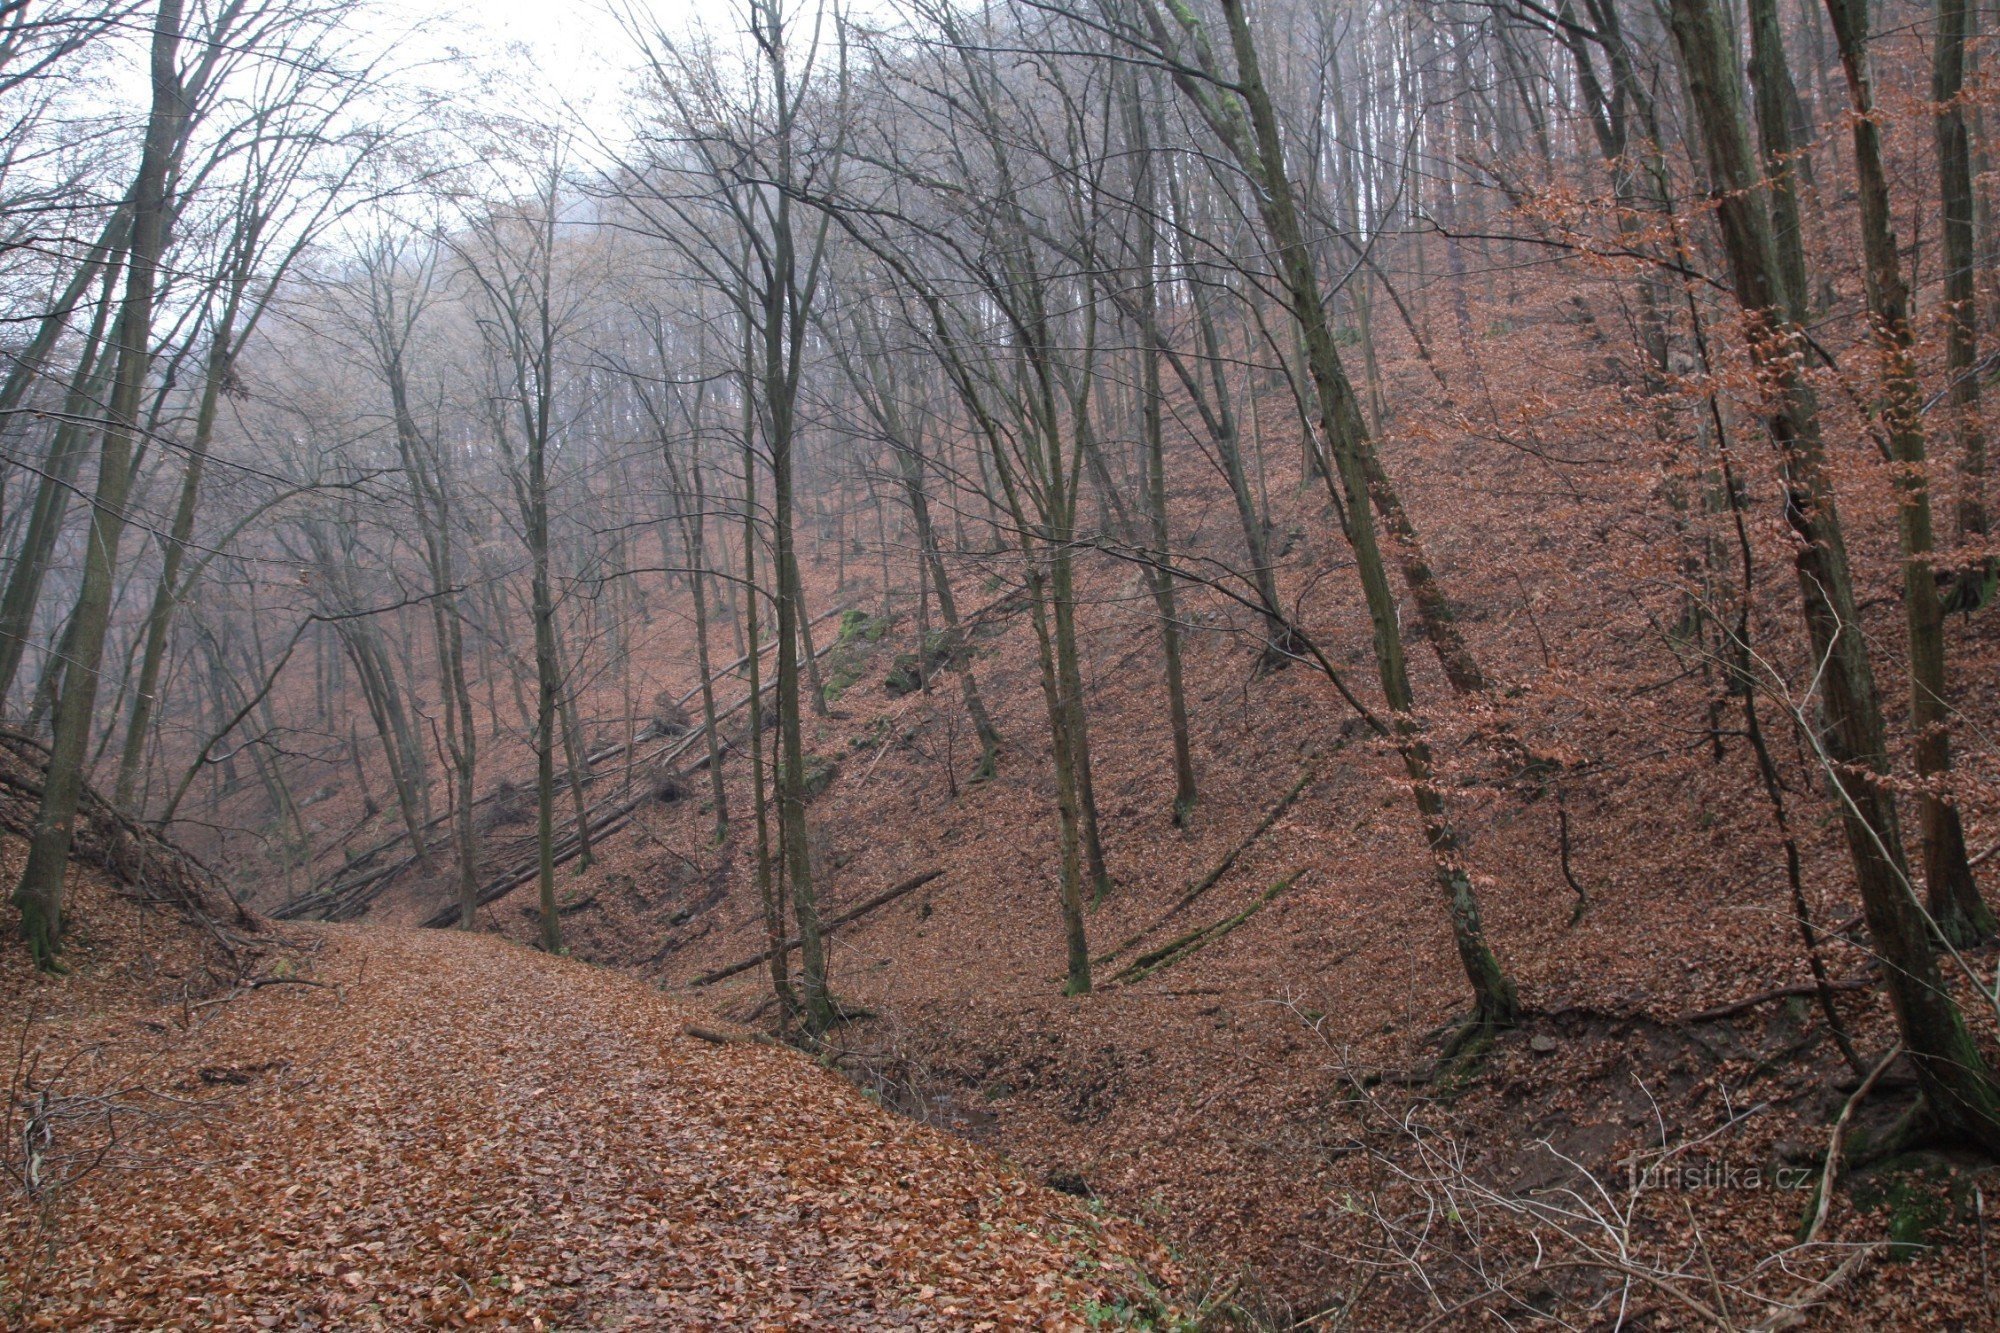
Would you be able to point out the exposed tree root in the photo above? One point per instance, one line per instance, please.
(1822, 1201)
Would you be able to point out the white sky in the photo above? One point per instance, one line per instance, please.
(566, 56)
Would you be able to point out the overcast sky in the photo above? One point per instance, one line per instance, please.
(563, 54)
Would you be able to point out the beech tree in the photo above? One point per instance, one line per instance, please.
(39, 894)
(1239, 112)
(1957, 1082)
(725, 194)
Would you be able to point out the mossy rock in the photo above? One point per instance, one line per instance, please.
(819, 774)
(903, 678)
(1921, 1193)
(841, 673)
(857, 626)
(875, 735)
(845, 662)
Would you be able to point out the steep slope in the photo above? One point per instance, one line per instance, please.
(1251, 1100)
(1254, 1100)
(398, 1128)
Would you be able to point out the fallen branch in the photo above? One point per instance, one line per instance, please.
(565, 852)
(562, 909)
(715, 1038)
(1831, 1175)
(341, 900)
(827, 927)
(258, 983)
(1798, 1306)
(1168, 954)
(1222, 867)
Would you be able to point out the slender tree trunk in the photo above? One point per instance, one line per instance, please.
(1068, 803)
(548, 684)
(819, 1012)
(958, 653)
(1185, 792)
(1074, 732)
(697, 544)
(426, 469)
(815, 687)
(39, 895)
(1956, 1081)
(1279, 640)
(376, 679)
(1955, 904)
(769, 891)
(1961, 348)
(167, 591)
(1152, 430)
(784, 300)
(463, 742)
(104, 259)
(1771, 78)
(1259, 146)
(575, 753)
(64, 460)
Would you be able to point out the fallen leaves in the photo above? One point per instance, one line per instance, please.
(468, 1133)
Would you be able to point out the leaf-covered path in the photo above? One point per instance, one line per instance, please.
(455, 1129)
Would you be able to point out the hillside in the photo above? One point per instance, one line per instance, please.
(1264, 1101)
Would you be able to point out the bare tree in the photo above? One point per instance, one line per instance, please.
(39, 894)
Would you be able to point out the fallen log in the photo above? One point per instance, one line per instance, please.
(826, 927)
(1798, 1307)
(562, 909)
(336, 899)
(565, 852)
(1222, 867)
(349, 901)
(1146, 964)
(717, 1038)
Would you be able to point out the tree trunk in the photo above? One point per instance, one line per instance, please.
(1961, 347)
(548, 685)
(1956, 1081)
(52, 493)
(958, 653)
(697, 544)
(1259, 147)
(1955, 904)
(1067, 802)
(39, 895)
(769, 891)
(818, 1004)
(1152, 431)
(166, 592)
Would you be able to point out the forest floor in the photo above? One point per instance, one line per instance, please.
(1272, 1102)
(399, 1128)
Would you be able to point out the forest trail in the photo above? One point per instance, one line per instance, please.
(446, 1129)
